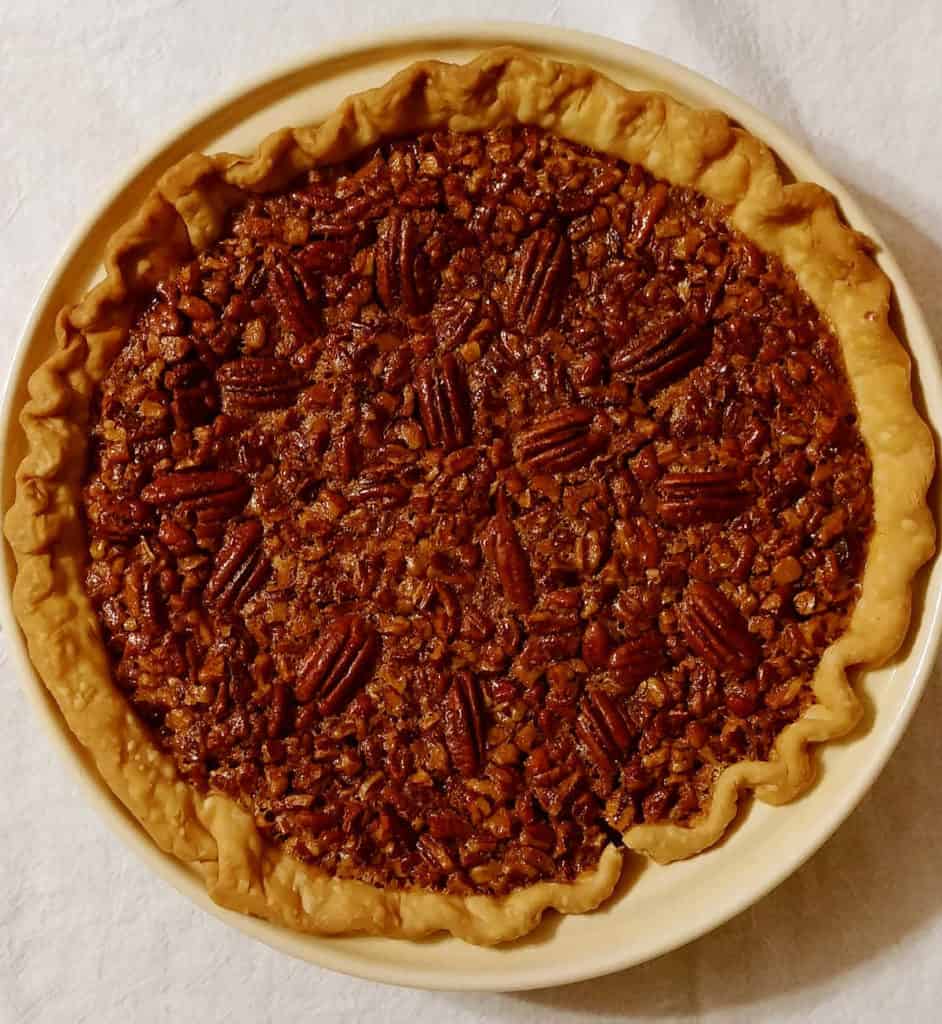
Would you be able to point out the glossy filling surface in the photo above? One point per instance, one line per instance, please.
(465, 505)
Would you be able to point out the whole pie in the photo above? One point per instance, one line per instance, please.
(495, 478)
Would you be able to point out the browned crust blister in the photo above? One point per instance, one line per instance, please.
(798, 223)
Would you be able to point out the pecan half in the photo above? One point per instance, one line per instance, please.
(603, 732)
(596, 644)
(293, 309)
(715, 629)
(455, 323)
(198, 489)
(560, 442)
(279, 711)
(338, 664)
(444, 404)
(647, 212)
(240, 567)
(257, 383)
(685, 499)
(636, 659)
(463, 724)
(539, 280)
(382, 493)
(400, 271)
(664, 353)
(510, 560)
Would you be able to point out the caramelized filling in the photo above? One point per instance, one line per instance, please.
(467, 504)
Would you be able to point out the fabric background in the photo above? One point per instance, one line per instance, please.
(86, 932)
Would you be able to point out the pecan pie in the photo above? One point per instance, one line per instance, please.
(496, 477)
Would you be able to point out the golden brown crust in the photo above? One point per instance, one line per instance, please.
(798, 223)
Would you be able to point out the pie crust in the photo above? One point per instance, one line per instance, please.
(798, 223)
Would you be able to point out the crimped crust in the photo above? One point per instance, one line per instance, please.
(798, 223)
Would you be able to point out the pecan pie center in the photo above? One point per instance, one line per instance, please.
(467, 504)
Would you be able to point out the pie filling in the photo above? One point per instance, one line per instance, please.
(467, 504)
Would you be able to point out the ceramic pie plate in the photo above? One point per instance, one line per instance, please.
(656, 908)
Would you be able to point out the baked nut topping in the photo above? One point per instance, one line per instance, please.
(469, 503)
(412, 527)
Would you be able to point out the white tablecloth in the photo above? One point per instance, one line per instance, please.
(86, 932)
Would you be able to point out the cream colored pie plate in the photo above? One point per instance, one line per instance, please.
(659, 908)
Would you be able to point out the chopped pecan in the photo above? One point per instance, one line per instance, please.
(119, 519)
(327, 255)
(240, 567)
(338, 664)
(539, 281)
(401, 275)
(444, 404)
(193, 406)
(178, 539)
(463, 724)
(200, 489)
(475, 625)
(150, 611)
(510, 560)
(560, 442)
(542, 650)
(553, 620)
(704, 497)
(347, 455)
(663, 353)
(715, 629)
(257, 383)
(448, 825)
(742, 698)
(188, 374)
(435, 853)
